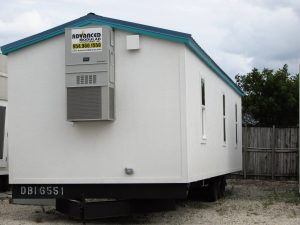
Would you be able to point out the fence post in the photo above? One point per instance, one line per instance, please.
(245, 152)
(273, 152)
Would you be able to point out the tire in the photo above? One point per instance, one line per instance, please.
(222, 186)
(213, 190)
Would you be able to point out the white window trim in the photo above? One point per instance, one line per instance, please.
(236, 141)
(3, 161)
(203, 124)
(224, 117)
(203, 112)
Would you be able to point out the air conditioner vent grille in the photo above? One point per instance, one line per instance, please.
(86, 79)
(84, 103)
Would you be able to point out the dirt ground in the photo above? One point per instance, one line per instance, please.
(246, 202)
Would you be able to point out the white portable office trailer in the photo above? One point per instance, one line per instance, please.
(3, 124)
(107, 108)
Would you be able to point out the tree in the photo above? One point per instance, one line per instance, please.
(271, 98)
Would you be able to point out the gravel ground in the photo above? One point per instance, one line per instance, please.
(246, 202)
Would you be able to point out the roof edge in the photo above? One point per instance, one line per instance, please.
(194, 47)
(95, 19)
(131, 27)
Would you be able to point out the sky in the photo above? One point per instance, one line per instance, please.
(237, 34)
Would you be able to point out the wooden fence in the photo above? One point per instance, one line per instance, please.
(270, 152)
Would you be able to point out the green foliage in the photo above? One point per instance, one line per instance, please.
(271, 98)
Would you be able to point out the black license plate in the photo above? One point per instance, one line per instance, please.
(37, 191)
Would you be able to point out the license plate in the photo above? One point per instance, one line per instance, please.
(37, 191)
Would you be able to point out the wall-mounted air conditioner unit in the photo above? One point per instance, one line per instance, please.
(90, 79)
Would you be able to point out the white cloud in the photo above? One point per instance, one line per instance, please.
(23, 25)
(270, 36)
(237, 34)
(234, 63)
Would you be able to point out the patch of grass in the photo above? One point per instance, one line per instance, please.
(229, 191)
(293, 213)
(221, 211)
(268, 202)
(291, 197)
(199, 205)
(255, 213)
(38, 219)
(270, 198)
(295, 201)
(51, 211)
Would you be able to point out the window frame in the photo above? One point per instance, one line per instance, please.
(224, 118)
(3, 160)
(203, 109)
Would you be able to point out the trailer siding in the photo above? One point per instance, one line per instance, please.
(211, 156)
(146, 135)
(157, 127)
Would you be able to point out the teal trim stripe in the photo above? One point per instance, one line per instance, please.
(213, 66)
(6, 51)
(138, 31)
(130, 27)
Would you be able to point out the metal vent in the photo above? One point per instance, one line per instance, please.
(84, 103)
(2, 131)
(86, 79)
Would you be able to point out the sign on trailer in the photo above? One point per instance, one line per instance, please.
(86, 40)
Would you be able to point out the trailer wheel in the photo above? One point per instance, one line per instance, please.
(213, 190)
(4, 183)
(222, 186)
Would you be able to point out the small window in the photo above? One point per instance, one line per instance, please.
(224, 105)
(224, 120)
(202, 92)
(203, 110)
(236, 125)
